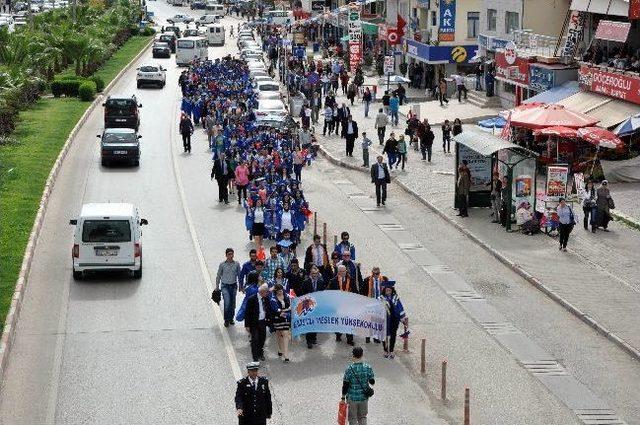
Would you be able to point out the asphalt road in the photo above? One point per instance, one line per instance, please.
(111, 350)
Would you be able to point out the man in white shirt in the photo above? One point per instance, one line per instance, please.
(380, 177)
(459, 79)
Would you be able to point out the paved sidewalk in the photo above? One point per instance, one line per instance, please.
(598, 279)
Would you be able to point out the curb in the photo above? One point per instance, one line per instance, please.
(11, 320)
(629, 349)
(629, 221)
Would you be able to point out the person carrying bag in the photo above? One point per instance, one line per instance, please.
(356, 389)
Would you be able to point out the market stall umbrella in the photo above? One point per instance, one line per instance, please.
(628, 126)
(523, 107)
(549, 116)
(558, 130)
(600, 137)
(495, 122)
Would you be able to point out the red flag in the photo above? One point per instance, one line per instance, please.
(400, 26)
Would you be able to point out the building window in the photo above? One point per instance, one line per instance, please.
(434, 21)
(473, 24)
(492, 15)
(511, 22)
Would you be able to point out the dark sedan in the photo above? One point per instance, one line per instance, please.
(119, 145)
(198, 5)
(161, 50)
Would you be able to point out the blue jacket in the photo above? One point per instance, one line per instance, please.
(395, 309)
(341, 247)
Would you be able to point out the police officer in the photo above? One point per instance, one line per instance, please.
(253, 398)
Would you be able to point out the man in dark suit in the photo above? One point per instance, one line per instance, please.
(350, 134)
(222, 172)
(256, 318)
(313, 283)
(380, 177)
(316, 255)
(343, 282)
(253, 398)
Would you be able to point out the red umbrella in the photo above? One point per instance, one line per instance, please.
(523, 107)
(558, 130)
(600, 137)
(549, 116)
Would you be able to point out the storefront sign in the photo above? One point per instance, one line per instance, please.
(517, 71)
(634, 9)
(355, 37)
(495, 43)
(447, 30)
(510, 54)
(613, 31)
(625, 87)
(540, 79)
(440, 54)
(480, 167)
(574, 33)
(482, 41)
(556, 182)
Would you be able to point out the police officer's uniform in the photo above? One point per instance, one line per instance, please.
(254, 399)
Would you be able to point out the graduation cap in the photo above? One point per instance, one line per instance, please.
(389, 284)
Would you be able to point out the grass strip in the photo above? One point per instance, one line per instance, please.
(26, 162)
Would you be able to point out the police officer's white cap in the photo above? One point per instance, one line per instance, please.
(253, 365)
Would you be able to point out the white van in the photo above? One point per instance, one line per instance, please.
(217, 8)
(189, 48)
(107, 237)
(215, 34)
(207, 19)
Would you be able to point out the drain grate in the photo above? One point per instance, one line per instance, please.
(544, 367)
(411, 246)
(371, 209)
(390, 226)
(599, 417)
(437, 268)
(499, 328)
(462, 296)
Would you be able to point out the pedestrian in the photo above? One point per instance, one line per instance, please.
(316, 255)
(567, 221)
(313, 283)
(446, 136)
(459, 80)
(401, 93)
(464, 184)
(328, 120)
(253, 398)
(402, 152)
(367, 97)
(242, 180)
(277, 278)
(299, 159)
(222, 172)
(391, 149)
(342, 113)
(385, 102)
(256, 318)
(272, 263)
(366, 142)
(316, 103)
(351, 92)
(247, 268)
(372, 287)
(345, 246)
(395, 316)
(442, 90)
(496, 199)
(394, 109)
(380, 177)
(356, 388)
(186, 130)
(590, 206)
(426, 142)
(345, 283)
(227, 280)
(382, 120)
(281, 320)
(350, 134)
(295, 277)
(479, 74)
(604, 202)
(344, 81)
(255, 222)
(457, 127)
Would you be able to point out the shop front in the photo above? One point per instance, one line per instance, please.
(512, 74)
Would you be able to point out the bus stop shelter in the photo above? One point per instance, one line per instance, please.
(488, 155)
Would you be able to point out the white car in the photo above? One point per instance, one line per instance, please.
(256, 64)
(151, 74)
(254, 73)
(261, 78)
(271, 107)
(180, 17)
(107, 237)
(267, 87)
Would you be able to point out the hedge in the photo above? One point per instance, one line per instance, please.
(87, 91)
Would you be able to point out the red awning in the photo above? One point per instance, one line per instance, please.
(549, 116)
(558, 130)
(613, 31)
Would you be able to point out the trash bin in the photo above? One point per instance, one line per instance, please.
(316, 47)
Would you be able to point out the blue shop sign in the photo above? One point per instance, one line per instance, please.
(482, 40)
(540, 79)
(495, 43)
(450, 54)
(447, 17)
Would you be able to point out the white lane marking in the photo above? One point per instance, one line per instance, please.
(231, 354)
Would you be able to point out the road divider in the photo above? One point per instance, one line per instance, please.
(11, 320)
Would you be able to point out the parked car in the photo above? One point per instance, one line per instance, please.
(107, 237)
(174, 29)
(198, 4)
(151, 74)
(161, 50)
(191, 32)
(119, 145)
(271, 107)
(266, 87)
(121, 112)
(180, 17)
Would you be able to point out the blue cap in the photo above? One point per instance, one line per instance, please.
(389, 284)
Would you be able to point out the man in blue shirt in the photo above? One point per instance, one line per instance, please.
(247, 268)
(394, 108)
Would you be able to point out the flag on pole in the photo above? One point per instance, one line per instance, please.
(506, 130)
